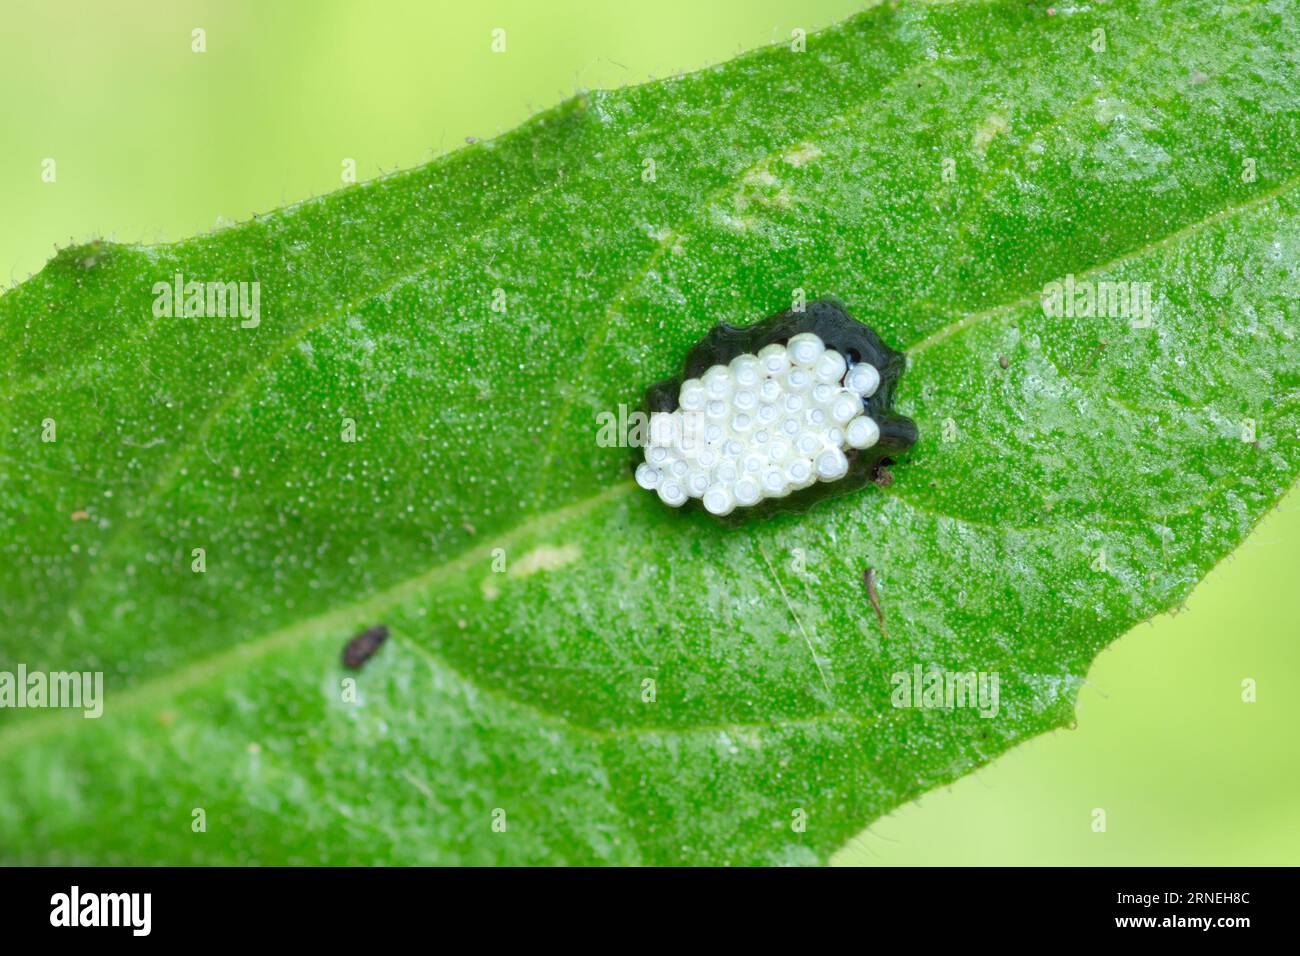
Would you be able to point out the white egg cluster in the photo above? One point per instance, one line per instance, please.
(761, 427)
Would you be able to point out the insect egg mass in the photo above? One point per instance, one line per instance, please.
(775, 415)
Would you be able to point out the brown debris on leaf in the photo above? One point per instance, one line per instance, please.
(869, 579)
(363, 647)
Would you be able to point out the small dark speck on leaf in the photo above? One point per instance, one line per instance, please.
(1092, 359)
(1003, 361)
(884, 477)
(362, 647)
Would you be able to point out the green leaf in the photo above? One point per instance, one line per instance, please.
(932, 166)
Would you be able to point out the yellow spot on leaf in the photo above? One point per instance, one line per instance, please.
(802, 155)
(988, 131)
(544, 557)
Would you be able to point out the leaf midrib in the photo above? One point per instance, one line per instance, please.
(185, 451)
(974, 318)
(165, 685)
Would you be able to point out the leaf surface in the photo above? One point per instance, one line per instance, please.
(933, 166)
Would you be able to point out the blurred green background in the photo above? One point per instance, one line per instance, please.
(155, 142)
